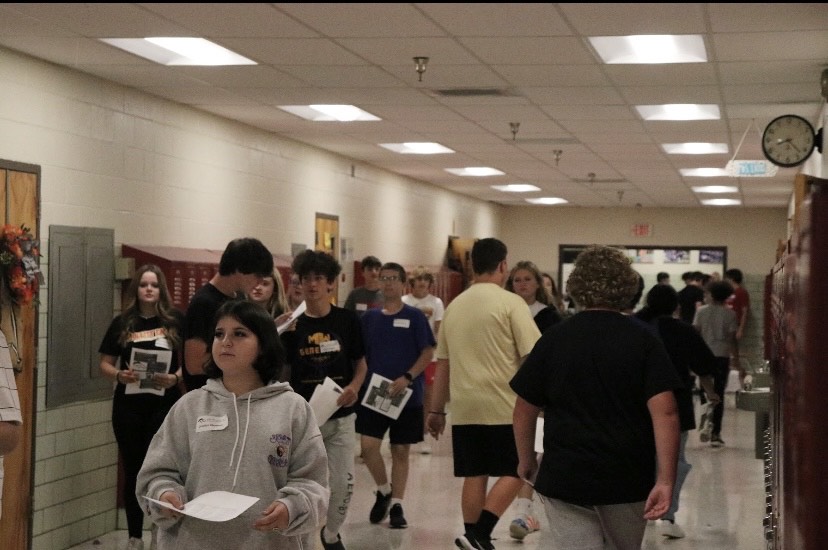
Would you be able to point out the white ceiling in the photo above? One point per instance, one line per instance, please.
(765, 61)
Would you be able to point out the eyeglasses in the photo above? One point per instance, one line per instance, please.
(389, 278)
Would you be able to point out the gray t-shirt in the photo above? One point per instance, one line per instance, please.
(361, 300)
(717, 325)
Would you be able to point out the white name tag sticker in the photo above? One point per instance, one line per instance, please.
(330, 346)
(162, 343)
(362, 307)
(211, 423)
(402, 323)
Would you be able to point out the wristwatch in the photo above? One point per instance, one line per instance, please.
(408, 376)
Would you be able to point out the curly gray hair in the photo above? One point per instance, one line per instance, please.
(602, 278)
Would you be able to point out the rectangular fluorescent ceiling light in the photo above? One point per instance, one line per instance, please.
(516, 188)
(328, 113)
(179, 51)
(721, 202)
(417, 148)
(547, 200)
(704, 172)
(475, 171)
(716, 189)
(694, 148)
(679, 111)
(650, 48)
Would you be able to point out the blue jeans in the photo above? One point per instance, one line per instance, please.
(682, 469)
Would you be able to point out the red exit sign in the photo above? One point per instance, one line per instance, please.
(642, 230)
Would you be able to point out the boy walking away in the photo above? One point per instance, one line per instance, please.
(398, 346)
(717, 324)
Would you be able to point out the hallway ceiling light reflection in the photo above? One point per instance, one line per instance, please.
(694, 148)
(516, 188)
(475, 171)
(716, 189)
(721, 202)
(679, 111)
(328, 113)
(179, 50)
(417, 148)
(704, 172)
(547, 200)
(650, 48)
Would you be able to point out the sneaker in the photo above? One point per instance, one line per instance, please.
(135, 544)
(706, 424)
(397, 519)
(467, 541)
(331, 545)
(669, 529)
(522, 526)
(379, 511)
(716, 441)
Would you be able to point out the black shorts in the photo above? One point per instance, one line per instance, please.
(405, 430)
(481, 450)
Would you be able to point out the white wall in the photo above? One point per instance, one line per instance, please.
(162, 174)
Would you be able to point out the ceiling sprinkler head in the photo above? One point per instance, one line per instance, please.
(420, 66)
(514, 127)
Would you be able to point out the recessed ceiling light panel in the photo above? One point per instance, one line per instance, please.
(716, 189)
(417, 148)
(704, 172)
(694, 148)
(679, 111)
(329, 113)
(547, 200)
(721, 202)
(650, 48)
(516, 188)
(179, 50)
(475, 171)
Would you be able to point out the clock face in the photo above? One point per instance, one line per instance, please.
(788, 140)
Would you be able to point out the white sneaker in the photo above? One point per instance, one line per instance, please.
(706, 423)
(522, 526)
(669, 529)
(135, 544)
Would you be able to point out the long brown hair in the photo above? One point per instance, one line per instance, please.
(540, 294)
(163, 308)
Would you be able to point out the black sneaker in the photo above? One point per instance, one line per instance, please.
(397, 519)
(379, 511)
(467, 541)
(332, 545)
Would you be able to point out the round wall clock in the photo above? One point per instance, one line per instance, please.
(788, 140)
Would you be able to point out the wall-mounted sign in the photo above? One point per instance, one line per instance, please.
(751, 169)
(642, 230)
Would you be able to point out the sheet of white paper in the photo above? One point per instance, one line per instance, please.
(213, 506)
(300, 309)
(323, 400)
(539, 435)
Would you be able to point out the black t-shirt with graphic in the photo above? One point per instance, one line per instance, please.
(324, 346)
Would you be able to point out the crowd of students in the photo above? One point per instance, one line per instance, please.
(217, 400)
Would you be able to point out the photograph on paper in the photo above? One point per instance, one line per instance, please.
(146, 363)
(377, 398)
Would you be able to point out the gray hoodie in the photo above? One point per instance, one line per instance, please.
(264, 444)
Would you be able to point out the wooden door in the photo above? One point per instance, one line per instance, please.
(327, 240)
(19, 204)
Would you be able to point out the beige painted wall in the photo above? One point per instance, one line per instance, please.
(750, 235)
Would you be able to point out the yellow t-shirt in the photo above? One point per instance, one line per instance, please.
(486, 331)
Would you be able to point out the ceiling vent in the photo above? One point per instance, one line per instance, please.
(544, 140)
(474, 92)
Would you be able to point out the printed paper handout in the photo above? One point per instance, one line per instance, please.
(377, 398)
(323, 400)
(213, 506)
(145, 363)
(300, 309)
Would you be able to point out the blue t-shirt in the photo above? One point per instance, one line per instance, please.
(393, 343)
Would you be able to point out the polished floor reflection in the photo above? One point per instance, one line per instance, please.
(721, 504)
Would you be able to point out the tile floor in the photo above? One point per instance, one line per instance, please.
(721, 503)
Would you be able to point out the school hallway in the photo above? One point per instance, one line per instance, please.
(721, 507)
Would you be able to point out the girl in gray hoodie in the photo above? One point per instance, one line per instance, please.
(244, 434)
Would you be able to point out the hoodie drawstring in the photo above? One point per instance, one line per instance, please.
(244, 438)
